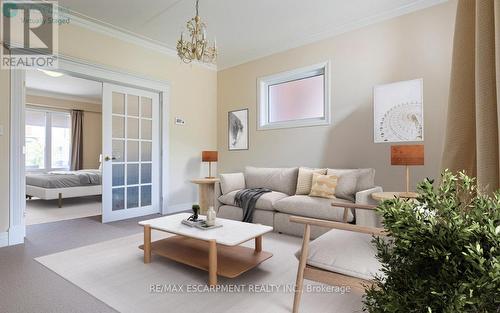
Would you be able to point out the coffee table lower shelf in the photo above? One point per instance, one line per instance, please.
(226, 261)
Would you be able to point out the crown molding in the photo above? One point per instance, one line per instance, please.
(330, 32)
(61, 96)
(122, 34)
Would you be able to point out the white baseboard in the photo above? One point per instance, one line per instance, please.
(4, 239)
(178, 208)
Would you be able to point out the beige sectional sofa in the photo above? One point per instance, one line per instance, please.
(275, 208)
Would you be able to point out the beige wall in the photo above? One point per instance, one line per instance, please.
(417, 45)
(193, 97)
(92, 124)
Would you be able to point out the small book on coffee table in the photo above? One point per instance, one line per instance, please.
(201, 224)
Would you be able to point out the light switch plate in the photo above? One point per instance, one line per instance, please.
(180, 121)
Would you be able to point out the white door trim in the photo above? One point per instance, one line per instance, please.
(79, 68)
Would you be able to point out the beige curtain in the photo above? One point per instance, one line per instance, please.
(472, 132)
(76, 140)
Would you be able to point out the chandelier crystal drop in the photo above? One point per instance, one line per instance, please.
(197, 47)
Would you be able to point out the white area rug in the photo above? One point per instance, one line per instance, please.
(114, 272)
(46, 211)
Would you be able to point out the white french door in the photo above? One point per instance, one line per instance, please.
(131, 158)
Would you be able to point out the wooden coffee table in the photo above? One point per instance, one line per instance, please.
(217, 251)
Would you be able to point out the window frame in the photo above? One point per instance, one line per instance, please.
(264, 83)
(48, 140)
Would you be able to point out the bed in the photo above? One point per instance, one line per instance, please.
(63, 184)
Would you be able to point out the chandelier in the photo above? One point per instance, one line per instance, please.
(197, 47)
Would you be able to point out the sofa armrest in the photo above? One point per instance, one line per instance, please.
(217, 194)
(364, 217)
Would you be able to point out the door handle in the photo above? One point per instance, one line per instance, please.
(109, 158)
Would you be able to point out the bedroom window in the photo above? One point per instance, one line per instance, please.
(296, 98)
(48, 140)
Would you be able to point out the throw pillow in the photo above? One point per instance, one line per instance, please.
(351, 181)
(304, 180)
(323, 186)
(231, 182)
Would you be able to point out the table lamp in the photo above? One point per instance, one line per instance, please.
(407, 155)
(209, 156)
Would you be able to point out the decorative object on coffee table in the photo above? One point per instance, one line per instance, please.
(206, 192)
(237, 130)
(209, 156)
(217, 251)
(407, 155)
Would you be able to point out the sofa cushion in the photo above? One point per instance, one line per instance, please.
(278, 179)
(351, 181)
(304, 179)
(345, 252)
(312, 207)
(265, 202)
(231, 182)
(323, 186)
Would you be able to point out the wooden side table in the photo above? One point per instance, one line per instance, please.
(206, 192)
(382, 196)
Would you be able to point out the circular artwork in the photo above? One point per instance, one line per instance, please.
(402, 122)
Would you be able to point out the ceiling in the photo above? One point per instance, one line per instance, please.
(245, 30)
(39, 83)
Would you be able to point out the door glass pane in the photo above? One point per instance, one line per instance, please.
(132, 197)
(118, 100)
(146, 151)
(146, 173)
(35, 140)
(118, 174)
(132, 174)
(132, 105)
(132, 151)
(61, 140)
(118, 150)
(133, 128)
(146, 195)
(146, 129)
(118, 202)
(146, 107)
(118, 127)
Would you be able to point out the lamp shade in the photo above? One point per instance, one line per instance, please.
(209, 156)
(407, 155)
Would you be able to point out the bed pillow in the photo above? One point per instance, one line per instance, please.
(231, 182)
(323, 186)
(304, 180)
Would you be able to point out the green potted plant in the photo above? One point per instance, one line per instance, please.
(443, 251)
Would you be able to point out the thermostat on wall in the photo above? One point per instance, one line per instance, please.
(179, 121)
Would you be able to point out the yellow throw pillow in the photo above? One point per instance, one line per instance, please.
(323, 186)
(305, 177)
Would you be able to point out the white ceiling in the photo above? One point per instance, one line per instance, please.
(38, 83)
(245, 30)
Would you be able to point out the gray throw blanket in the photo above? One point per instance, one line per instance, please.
(246, 200)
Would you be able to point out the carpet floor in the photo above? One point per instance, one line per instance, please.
(114, 272)
(46, 211)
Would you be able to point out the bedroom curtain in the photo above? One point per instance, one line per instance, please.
(76, 140)
(472, 130)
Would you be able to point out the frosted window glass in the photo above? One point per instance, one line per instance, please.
(118, 128)
(132, 197)
(133, 128)
(297, 100)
